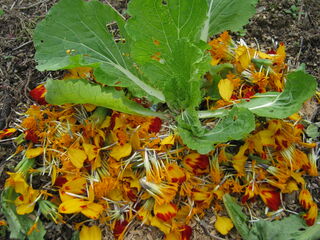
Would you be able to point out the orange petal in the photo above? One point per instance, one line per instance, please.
(223, 225)
(121, 151)
(225, 89)
(90, 233)
(165, 211)
(77, 157)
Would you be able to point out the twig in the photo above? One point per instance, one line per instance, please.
(299, 53)
(22, 45)
(33, 5)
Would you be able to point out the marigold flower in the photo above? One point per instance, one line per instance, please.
(312, 214)
(30, 135)
(104, 187)
(305, 199)
(38, 94)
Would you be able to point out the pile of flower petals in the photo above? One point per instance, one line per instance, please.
(114, 169)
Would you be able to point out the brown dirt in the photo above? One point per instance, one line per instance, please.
(276, 21)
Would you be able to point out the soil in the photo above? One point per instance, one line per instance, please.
(294, 22)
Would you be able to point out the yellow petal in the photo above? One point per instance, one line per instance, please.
(92, 210)
(163, 226)
(17, 181)
(225, 89)
(135, 140)
(106, 122)
(77, 157)
(25, 208)
(34, 152)
(89, 107)
(223, 225)
(90, 150)
(73, 206)
(119, 151)
(168, 140)
(90, 233)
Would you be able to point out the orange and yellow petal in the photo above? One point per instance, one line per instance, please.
(7, 132)
(305, 199)
(165, 211)
(175, 173)
(312, 214)
(271, 197)
(196, 163)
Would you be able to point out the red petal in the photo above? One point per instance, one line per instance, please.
(155, 125)
(38, 94)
